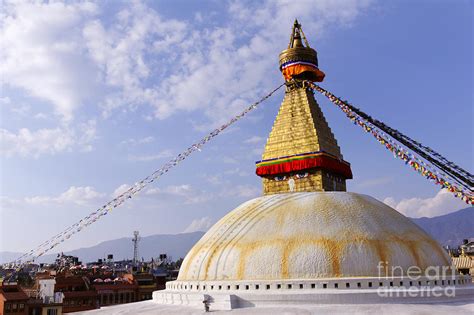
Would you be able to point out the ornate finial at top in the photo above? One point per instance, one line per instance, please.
(300, 61)
(295, 38)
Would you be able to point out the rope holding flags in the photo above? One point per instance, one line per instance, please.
(133, 190)
(445, 176)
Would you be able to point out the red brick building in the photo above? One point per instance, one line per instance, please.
(115, 293)
(13, 300)
(78, 294)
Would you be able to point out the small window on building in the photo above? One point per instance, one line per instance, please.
(401, 283)
(290, 286)
(380, 284)
(52, 311)
(278, 286)
(359, 285)
(301, 286)
(336, 285)
(370, 284)
(247, 287)
(436, 282)
(348, 285)
(391, 283)
(449, 281)
(228, 287)
(268, 287)
(237, 287)
(419, 282)
(220, 287)
(21, 306)
(14, 306)
(257, 287)
(411, 283)
(325, 285)
(454, 281)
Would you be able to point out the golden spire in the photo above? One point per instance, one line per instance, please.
(301, 153)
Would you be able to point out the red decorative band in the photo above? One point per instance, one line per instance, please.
(321, 162)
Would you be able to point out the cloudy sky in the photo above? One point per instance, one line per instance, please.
(97, 95)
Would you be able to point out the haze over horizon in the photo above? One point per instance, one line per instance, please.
(97, 95)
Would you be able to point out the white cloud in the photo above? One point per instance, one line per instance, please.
(152, 157)
(28, 143)
(236, 171)
(82, 196)
(133, 141)
(120, 190)
(67, 54)
(36, 143)
(254, 140)
(442, 203)
(202, 224)
(244, 191)
(41, 52)
(182, 193)
(254, 33)
(126, 53)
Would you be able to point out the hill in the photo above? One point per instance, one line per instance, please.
(174, 245)
(449, 229)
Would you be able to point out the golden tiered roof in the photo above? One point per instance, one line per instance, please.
(301, 153)
(300, 127)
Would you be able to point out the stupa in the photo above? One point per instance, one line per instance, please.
(307, 240)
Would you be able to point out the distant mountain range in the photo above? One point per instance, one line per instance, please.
(449, 229)
(174, 245)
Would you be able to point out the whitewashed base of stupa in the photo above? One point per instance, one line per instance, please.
(245, 294)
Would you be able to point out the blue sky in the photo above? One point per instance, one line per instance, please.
(97, 95)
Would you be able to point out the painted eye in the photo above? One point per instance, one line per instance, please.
(280, 178)
(302, 175)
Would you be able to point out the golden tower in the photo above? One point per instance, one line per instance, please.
(301, 153)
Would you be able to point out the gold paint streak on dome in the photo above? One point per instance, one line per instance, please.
(439, 250)
(413, 248)
(381, 250)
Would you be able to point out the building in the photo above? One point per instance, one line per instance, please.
(13, 300)
(118, 291)
(77, 293)
(307, 240)
(467, 248)
(463, 257)
(146, 285)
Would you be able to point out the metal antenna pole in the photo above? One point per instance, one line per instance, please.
(135, 240)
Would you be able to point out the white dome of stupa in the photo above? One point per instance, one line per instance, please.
(310, 235)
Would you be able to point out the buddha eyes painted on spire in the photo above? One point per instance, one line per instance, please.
(301, 175)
